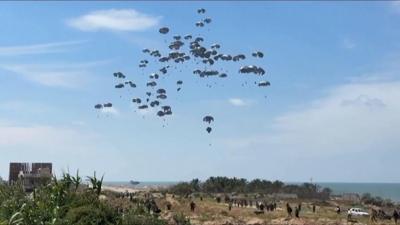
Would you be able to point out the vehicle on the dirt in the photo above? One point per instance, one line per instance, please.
(357, 212)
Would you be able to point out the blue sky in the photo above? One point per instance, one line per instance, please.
(331, 112)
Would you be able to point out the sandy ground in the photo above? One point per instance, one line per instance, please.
(121, 189)
(208, 212)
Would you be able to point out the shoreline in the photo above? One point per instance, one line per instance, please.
(131, 188)
(383, 190)
(120, 189)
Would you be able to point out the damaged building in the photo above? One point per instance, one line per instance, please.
(30, 174)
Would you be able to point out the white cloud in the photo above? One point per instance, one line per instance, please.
(114, 20)
(240, 102)
(36, 135)
(53, 47)
(352, 118)
(68, 75)
(64, 146)
(364, 101)
(354, 127)
(27, 107)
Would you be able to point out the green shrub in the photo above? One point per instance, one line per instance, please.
(181, 219)
(90, 215)
(139, 217)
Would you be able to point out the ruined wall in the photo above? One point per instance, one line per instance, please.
(26, 168)
(37, 166)
(15, 168)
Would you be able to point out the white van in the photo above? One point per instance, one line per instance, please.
(357, 212)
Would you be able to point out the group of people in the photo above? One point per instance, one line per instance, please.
(380, 214)
(268, 206)
(244, 203)
(297, 210)
(151, 206)
(126, 194)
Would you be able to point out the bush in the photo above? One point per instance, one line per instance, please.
(139, 217)
(241, 185)
(66, 202)
(90, 215)
(368, 199)
(181, 219)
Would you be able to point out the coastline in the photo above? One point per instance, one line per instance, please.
(384, 190)
(120, 189)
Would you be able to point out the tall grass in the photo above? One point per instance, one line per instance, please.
(66, 201)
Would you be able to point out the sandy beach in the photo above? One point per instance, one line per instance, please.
(122, 188)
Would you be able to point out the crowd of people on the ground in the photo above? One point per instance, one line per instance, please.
(297, 210)
(380, 214)
(260, 206)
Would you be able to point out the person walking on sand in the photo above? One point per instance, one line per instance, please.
(169, 206)
(262, 206)
(297, 212)
(348, 215)
(289, 210)
(395, 216)
(337, 209)
(374, 213)
(192, 206)
(313, 208)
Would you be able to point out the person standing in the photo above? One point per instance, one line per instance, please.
(337, 209)
(374, 213)
(169, 206)
(395, 216)
(313, 208)
(192, 206)
(297, 212)
(289, 210)
(262, 206)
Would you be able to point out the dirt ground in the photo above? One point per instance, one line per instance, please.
(209, 212)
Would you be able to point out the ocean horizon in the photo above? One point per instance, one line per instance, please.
(383, 190)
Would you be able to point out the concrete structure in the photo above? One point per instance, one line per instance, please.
(31, 175)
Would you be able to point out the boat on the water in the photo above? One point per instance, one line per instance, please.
(132, 182)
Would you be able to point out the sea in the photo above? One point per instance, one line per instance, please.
(383, 190)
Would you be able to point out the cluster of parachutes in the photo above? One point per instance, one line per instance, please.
(199, 52)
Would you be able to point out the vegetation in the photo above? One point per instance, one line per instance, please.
(66, 201)
(368, 199)
(181, 219)
(241, 185)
